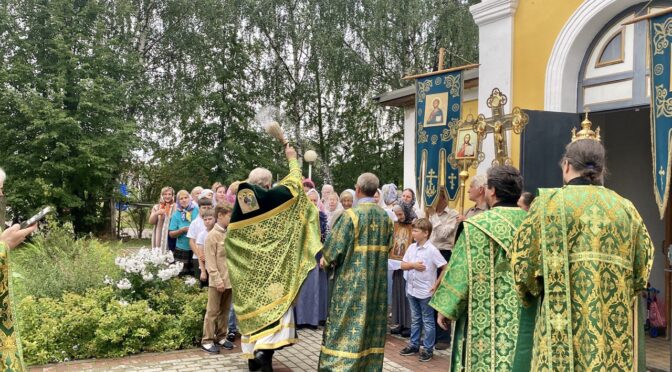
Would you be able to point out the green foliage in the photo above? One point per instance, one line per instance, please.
(98, 325)
(66, 106)
(164, 92)
(55, 262)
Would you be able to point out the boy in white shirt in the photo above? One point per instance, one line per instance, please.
(422, 260)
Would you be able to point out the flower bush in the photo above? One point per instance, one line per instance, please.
(75, 300)
(145, 270)
(100, 325)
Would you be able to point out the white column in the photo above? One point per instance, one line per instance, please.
(495, 34)
(409, 147)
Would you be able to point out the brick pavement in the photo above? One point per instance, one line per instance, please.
(300, 357)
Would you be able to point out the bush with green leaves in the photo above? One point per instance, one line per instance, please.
(98, 324)
(55, 262)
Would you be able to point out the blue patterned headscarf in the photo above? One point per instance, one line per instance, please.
(389, 194)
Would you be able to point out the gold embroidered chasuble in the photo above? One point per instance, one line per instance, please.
(271, 245)
(478, 292)
(358, 245)
(10, 347)
(587, 251)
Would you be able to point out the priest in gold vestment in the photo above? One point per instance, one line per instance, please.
(584, 250)
(478, 290)
(271, 245)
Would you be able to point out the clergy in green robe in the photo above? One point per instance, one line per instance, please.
(478, 290)
(584, 250)
(11, 358)
(271, 245)
(356, 251)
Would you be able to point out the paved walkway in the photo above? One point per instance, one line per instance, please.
(300, 357)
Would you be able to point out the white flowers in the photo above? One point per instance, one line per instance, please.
(143, 270)
(190, 281)
(147, 276)
(123, 303)
(124, 284)
(171, 271)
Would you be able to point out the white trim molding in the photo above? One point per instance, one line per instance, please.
(488, 11)
(409, 147)
(571, 45)
(495, 20)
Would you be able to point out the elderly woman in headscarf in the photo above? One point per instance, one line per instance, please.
(311, 303)
(333, 208)
(348, 198)
(160, 218)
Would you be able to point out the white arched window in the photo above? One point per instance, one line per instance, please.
(615, 72)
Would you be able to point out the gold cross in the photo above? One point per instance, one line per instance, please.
(497, 124)
(431, 189)
(594, 218)
(373, 225)
(353, 331)
(431, 175)
(452, 179)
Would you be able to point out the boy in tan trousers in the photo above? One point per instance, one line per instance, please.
(215, 323)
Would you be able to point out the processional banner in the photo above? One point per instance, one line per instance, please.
(661, 105)
(438, 106)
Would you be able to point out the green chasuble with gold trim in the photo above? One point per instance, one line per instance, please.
(587, 251)
(271, 245)
(478, 292)
(357, 247)
(10, 347)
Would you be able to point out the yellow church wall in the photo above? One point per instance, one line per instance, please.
(537, 24)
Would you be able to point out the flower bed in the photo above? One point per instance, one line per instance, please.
(140, 305)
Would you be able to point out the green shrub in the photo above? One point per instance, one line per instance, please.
(99, 325)
(55, 263)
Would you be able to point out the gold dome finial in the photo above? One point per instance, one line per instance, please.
(586, 132)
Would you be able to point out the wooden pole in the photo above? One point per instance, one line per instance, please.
(466, 67)
(442, 56)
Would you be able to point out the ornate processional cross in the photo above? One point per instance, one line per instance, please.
(479, 127)
(498, 124)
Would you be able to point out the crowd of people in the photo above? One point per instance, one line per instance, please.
(528, 284)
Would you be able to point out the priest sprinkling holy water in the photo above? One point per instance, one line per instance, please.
(271, 245)
(478, 289)
(356, 251)
(585, 251)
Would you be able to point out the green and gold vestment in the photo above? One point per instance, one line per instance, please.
(271, 245)
(354, 337)
(10, 347)
(478, 292)
(586, 249)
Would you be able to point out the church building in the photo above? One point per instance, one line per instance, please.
(557, 59)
